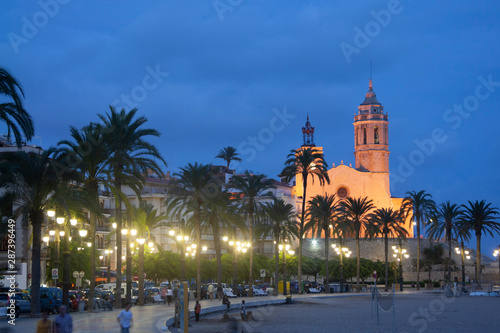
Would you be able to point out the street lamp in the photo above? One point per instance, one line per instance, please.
(285, 248)
(341, 252)
(399, 253)
(82, 233)
(464, 254)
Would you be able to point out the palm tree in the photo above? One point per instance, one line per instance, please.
(305, 161)
(146, 219)
(89, 153)
(463, 233)
(420, 206)
(228, 154)
(282, 226)
(387, 222)
(322, 213)
(357, 212)
(447, 216)
(481, 218)
(131, 156)
(252, 187)
(433, 255)
(18, 120)
(33, 180)
(192, 190)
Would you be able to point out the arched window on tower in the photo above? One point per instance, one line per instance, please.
(364, 136)
(375, 135)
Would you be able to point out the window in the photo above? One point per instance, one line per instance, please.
(375, 136)
(342, 192)
(364, 136)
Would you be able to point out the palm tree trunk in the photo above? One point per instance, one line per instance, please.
(198, 254)
(478, 258)
(463, 263)
(141, 274)
(358, 268)
(341, 266)
(301, 231)
(66, 252)
(276, 266)
(35, 264)
(327, 285)
(250, 277)
(386, 249)
(118, 217)
(217, 245)
(90, 307)
(418, 254)
(449, 258)
(128, 258)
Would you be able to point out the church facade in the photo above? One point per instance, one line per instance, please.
(370, 175)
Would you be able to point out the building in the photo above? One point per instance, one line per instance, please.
(370, 175)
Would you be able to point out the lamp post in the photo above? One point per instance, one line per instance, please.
(341, 252)
(52, 214)
(496, 253)
(399, 253)
(464, 254)
(285, 248)
(141, 241)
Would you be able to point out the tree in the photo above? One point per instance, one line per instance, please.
(252, 187)
(387, 222)
(481, 218)
(12, 113)
(228, 154)
(146, 219)
(283, 226)
(433, 255)
(131, 157)
(357, 212)
(305, 161)
(192, 189)
(447, 216)
(89, 153)
(33, 179)
(322, 213)
(418, 205)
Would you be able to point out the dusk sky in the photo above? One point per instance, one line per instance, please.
(208, 74)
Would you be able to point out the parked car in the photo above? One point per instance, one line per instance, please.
(48, 300)
(256, 291)
(58, 297)
(22, 301)
(269, 290)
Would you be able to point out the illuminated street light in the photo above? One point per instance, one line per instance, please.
(141, 241)
(124, 231)
(51, 213)
(179, 238)
(150, 244)
(225, 238)
(61, 233)
(82, 232)
(52, 232)
(73, 222)
(60, 220)
(114, 225)
(171, 232)
(89, 244)
(133, 232)
(46, 239)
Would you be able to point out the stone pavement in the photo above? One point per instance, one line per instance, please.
(152, 317)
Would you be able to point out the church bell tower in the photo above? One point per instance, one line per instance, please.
(371, 135)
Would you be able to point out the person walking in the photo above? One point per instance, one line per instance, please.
(44, 325)
(63, 322)
(125, 319)
(197, 310)
(170, 294)
(243, 311)
(211, 290)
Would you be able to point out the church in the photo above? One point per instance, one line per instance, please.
(370, 175)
